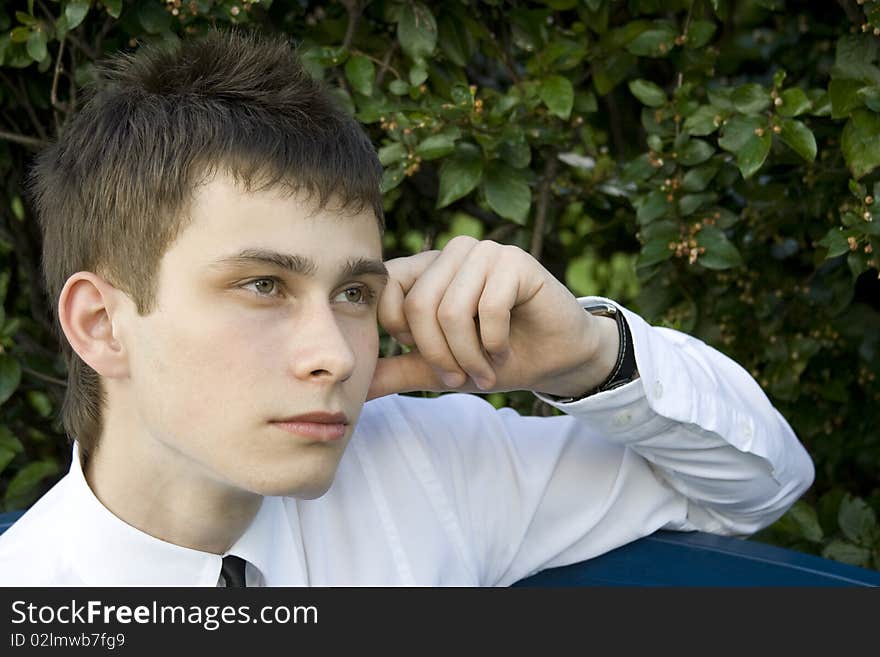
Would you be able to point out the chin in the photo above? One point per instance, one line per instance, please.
(311, 489)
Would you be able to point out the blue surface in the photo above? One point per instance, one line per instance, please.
(687, 559)
(701, 559)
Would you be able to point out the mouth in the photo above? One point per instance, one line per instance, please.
(319, 425)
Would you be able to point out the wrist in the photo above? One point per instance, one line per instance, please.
(594, 363)
(624, 368)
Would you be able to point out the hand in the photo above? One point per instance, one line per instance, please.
(483, 316)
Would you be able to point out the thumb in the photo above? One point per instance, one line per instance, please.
(404, 373)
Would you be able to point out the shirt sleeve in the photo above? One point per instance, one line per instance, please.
(693, 444)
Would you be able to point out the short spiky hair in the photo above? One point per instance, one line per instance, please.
(113, 192)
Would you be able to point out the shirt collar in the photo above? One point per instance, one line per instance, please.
(107, 551)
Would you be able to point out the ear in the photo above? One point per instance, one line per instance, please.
(87, 308)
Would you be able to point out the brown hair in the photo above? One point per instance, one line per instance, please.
(113, 192)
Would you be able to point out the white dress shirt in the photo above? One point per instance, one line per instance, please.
(449, 491)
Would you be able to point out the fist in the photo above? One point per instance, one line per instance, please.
(482, 316)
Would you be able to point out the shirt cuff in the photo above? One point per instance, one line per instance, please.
(625, 412)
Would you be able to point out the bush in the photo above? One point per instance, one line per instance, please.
(713, 165)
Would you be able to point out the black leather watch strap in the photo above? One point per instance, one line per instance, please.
(625, 368)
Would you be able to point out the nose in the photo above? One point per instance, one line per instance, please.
(323, 351)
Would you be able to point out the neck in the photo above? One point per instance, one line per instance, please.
(161, 492)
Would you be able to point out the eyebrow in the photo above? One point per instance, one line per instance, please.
(302, 265)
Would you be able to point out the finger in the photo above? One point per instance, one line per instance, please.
(457, 314)
(499, 296)
(402, 273)
(407, 373)
(421, 306)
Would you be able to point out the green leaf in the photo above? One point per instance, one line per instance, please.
(392, 177)
(153, 18)
(844, 96)
(36, 45)
(654, 251)
(720, 253)
(114, 7)
(753, 153)
(8, 441)
(76, 11)
(360, 72)
(465, 224)
(418, 74)
(436, 146)
(857, 521)
(651, 207)
(799, 137)
(399, 87)
(656, 42)
(25, 18)
(860, 142)
(610, 71)
(20, 34)
(454, 39)
(647, 92)
(61, 27)
(738, 131)
(847, 553)
(700, 33)
(10, 376)
(558, 95)
(391, 153)
(835, 241)
(854, 59)
(24, 483)
(695, 151)
(751, 98)
(460, 174)
(794, 102)
(516, 152)
(507, 192)
(702, 122)
(871, 97)
(690, 203)
(417, 30)
(807, 521)
(40, 402)
(6, 456)
(698, 178)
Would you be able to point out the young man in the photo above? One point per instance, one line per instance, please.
(212, 238)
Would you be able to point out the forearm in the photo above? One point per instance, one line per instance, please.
(707, 429)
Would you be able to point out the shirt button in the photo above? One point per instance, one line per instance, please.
(658, 389)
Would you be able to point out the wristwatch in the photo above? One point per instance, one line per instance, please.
(625, 369)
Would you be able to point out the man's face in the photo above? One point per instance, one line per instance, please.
(266, 311)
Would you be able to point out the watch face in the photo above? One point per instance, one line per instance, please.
(604, 310)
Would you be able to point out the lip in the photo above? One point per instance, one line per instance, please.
(317, 425)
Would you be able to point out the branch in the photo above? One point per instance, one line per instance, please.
(386, 64)
(543, 203)
(21, 96)
(852, 11)
(30, 142)
(53, 96)
(43, 377)
(353, 7)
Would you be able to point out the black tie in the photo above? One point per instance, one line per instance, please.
(233, 571)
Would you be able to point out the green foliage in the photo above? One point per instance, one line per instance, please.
(713, 165)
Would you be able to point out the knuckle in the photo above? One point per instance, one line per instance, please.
(449, 314)
(415, 304)
(460, 241)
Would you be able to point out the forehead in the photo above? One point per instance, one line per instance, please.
(226, 219)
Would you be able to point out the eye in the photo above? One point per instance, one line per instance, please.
(264, 287)
(359, 295)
